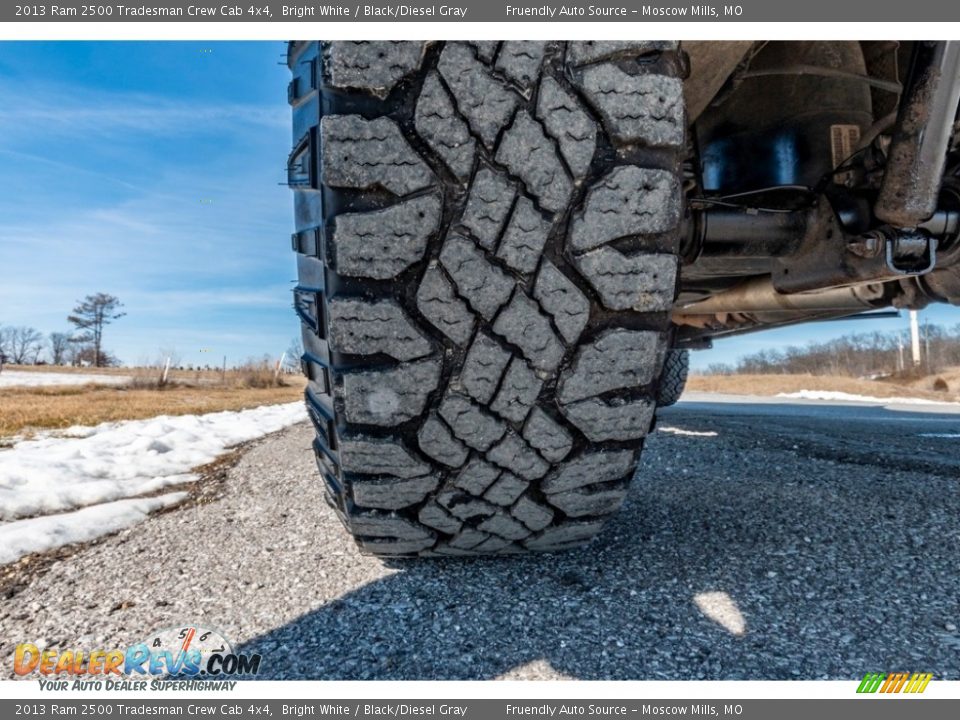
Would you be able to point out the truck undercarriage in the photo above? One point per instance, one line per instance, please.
(821, 183)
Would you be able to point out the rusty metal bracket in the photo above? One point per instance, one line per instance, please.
(921, 137)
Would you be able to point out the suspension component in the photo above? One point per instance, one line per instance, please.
(921, 137)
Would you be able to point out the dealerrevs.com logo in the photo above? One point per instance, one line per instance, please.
(187, 651)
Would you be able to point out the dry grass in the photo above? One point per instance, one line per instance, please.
(254, 373)
(773, 384)
(70, 370)
(23, 410)
(947, 376)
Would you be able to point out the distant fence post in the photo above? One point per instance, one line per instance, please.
(915, 338)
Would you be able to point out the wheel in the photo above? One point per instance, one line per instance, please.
(487, 238)
(676, 367)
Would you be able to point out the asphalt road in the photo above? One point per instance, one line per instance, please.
(762, 540)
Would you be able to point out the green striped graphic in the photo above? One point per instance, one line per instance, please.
(871, 682)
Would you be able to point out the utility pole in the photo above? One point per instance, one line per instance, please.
(915, 338)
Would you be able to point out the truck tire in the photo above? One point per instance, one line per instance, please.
(487, 238)
(673, 379)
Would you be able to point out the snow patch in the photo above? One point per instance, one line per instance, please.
(46, 533)
(102, 466)
(690, 433)
(850, 397)
(25, 378)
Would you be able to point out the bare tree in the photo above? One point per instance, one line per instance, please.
(24, 345)
(874, 354)
(86, 356)
(291, 361)
(74, 348)
(4, 345)
(90, 316)
(59, 343)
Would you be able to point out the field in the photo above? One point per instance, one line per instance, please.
(922, 387)
(24, 410)
(27, 409)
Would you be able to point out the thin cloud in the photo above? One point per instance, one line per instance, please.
(97, 113)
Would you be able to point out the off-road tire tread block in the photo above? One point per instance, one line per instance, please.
(499, 243)
(673, 379)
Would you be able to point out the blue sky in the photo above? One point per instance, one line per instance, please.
(154, 171)
(151, 171)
